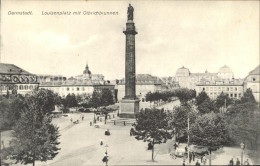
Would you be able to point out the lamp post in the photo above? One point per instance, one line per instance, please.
(94, 117)
(242, 145)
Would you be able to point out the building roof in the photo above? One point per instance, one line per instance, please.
(182, 71)
(256, 71)
(6, 68)
(145, 79)
(225, 69)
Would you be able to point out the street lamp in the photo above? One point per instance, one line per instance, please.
(94, 116)
(242, 145)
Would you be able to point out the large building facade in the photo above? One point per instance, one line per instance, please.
(85, 83)
(15, 80)
(145, 83)
(189, 80)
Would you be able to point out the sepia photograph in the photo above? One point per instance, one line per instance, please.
(134, 82)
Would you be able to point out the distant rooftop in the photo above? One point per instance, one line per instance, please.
(6, 68)
(256, 71)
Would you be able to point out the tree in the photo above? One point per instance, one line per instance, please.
(201, 97)
(106, 97)
(36, 138)
(209, 130)
(180, 121)
(70, 101)
(95, 100)
(243, 124)
(10, 110)
(185, 94)
(248, 97)
(206, 106)
(152, 126)
(223, 101)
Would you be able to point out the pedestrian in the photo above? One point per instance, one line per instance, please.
(201, 159)
(197, 163)
(101, 142)
(246, 162)
(193, 156)
(190, 155)
(205, 162)
(82, 117)
(231, 162)
(238, 162)
(183, 164)
(186, 149)
(90, 123)
(175, 146)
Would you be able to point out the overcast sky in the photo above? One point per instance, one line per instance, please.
(171, 34)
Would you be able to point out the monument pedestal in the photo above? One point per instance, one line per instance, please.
(129, 108)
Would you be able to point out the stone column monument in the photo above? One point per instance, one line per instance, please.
(130, 104)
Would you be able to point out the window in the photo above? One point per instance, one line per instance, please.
(227, 89)
(21, 87)
(235, 89)
(239, 95)
(235, 95)
(68, 89)
(231, 95)
(253, 79)
(77, 89)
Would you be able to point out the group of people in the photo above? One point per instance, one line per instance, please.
(231, 162)
(77, 121)
(197, 163)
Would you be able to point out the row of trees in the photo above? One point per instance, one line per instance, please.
(35, 137)
(209, 126)
(97, 99)
(183, 94)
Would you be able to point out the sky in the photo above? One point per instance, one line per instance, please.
(199, 35)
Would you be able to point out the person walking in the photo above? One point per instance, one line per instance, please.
(193, 156)
(201, 159)
(238, 162)
(246, 162)
(204, 161)
(197, 163)
(175, 146)
(190, 155)
(231, 162)
(101, 142)
(183, 164)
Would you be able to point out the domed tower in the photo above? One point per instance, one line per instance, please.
(87, 72)
(225, 73)
(182, 72)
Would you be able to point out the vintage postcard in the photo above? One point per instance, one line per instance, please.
(86, 83)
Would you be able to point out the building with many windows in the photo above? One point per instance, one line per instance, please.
(85, 83)
(189, 80)
(144, 83)
(14, 79)
(234, 89)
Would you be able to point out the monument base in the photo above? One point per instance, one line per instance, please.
(129, 108)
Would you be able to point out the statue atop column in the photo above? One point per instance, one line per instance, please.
(130, 13)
